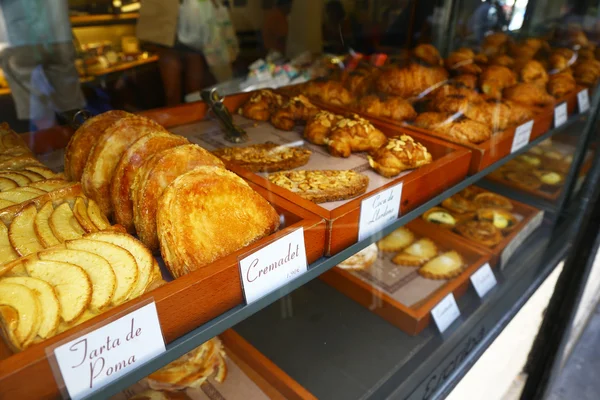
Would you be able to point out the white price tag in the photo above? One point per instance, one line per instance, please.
(560, 114)
(522, 134)
(273, 266)
(583, 100)
(445, 313)
(483, 280)
(93, 360)
(379, 210)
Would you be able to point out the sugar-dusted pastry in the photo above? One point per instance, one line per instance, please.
(492, 200)
(440, 216)
(417, 253)
(266, 157)
(230, 213)
(320, 186)
(399, 154)
(459, 204)
(361, 260)
(396, 240)
(529, 94)
(352, 135)
(500, 217)
(392, 107)
(461, 130)
(319, 127)
(445, 266)
(494, 79)
(261, 105)
(297, 110)
(482, 232)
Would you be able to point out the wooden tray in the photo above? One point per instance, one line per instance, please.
(380, 291)
(206, 293)
(531, 219)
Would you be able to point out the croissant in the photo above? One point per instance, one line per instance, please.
(534, 72)
(330, 92)
(529, 94)
(360, 82)
(409, 81)
(503, 60)
(494, 79)
(494, 44)
(261, 105)
(561, 84)
(392, 107)
(428, 54)
(586, 72)
(498, 114)
(453, 103)
(353, 135)
(319, 127)
(297, 109)
(461, 130)
(462, 61)
(466, 80)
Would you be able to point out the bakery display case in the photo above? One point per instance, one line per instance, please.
(365, 234)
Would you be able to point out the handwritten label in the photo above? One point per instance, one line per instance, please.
(520, 237)
(560, 114)
(445, 313)
(483, 280)
(522, 134)
(583, 100)
(93, 360)
(378, 211)
(273, 266)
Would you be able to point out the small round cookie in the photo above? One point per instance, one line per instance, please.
(361, 260)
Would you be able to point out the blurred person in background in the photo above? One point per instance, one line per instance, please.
(275, 27)
(39, 62)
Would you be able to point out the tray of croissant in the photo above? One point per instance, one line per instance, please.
(487, 220)
(406, 274)
(325, 162)
(225, 367)
(468, 98)
(115, 224)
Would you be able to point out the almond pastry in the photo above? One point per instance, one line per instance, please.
(501, 218)
(417, 253)
(445, 266)
(482, 232)
(361, 260)
(352, 135)
(319, 127)
(261, 105)
(297, 109)
(399, 154)
(266, 157)
(320, 186)
(440, 216)
(492, 200)
(397, 240)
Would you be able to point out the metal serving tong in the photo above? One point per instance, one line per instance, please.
(233, 133)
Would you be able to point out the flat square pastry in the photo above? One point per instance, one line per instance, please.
(445, 266)
(417, 253)
(320, 186)
(399, 154)
(265, 157)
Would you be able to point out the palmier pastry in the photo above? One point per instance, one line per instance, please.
(211, 198)
(440, 216)
(361, 260)
(266, 157)
(559, 85)
(500, 217)
(482, 232)
(428, 54)
(445, 266)
(524, 179)
(534, 72)
(397, 240)
(354, 135)
(529, 94)
(459, 205)
(261, 105)
(399, 154)
(549, 178)
(462, 130)
(494, 79)
(416, 254)
(319, 127)
(321, 186)
(392, 107)
(328, 91)
(297, 109)
(409, 81)
(492, 200)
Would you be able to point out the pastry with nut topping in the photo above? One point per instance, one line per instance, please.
(297, 109)
(321, 186)
(261, 105)
(399, 154)
(319, 127)
(352, 135)
(265, 157)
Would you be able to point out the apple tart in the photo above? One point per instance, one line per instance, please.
(266, 157)
(483, 232)
(445, 266)
(399, 154)
(397, 240)
(416, 254)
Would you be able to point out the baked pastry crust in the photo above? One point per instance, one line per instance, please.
(83, 140)
(482, 232)
(297, 109)
(328, 91)
(417, 253)
(445, 266)
(459, 204)
(409, 81)
(462, 61)
(524, 179)
(494, 79)
(560, 85)
(352, 135)
(321, 186)
(392, 107)
(361, 260)
(399, 154)
(534, 72)
(529, 94)
(266, 157)
(461, 130)
(107, 152)
(128, 166)
(319, 127)
(492, 200)
(261, 105)
(153, 176)
(428, 54)
(212, 198)
(500, 217)
(440, 216)
(397, 240)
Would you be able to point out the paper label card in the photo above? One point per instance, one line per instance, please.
(522, 134)
(273, 266)
(560, 114)
(445, 313)
(583, 100)
(483, 280)
(93, 360)
(379, 210)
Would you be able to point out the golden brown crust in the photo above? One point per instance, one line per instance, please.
(482, 232)
(524, 179)
(440, 216)
(459, 205)
(492, 200)
(494, 79)
(153, 177)
(445, 266)
(321, 186)
(529, 94)
(399, 154)
(83, 140)
(500, 217)
(462, 61)
(362, 260)
(328, 91)
(397, 240)
(297, 109)
(411, 80)
(417, 253)
(392, 107)
(213, 198)
(126, 169)
(428, 54)
(534, 72)
(11, 143)
(261, 105)
(461, 130)
(352, 135)
(561, 84)
(265, 157)
(319, 127)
